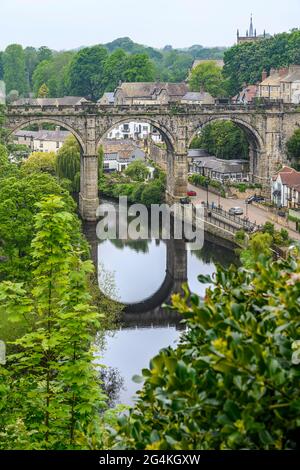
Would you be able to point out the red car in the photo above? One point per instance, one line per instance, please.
(191, 193)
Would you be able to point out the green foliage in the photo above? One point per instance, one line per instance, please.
(139, 69)
(3, 155)
(100, 67)
(240, 236)
(14, 69)
(53, 72)
(43, 91)
(224, 139)
(137, 171)
(246, 62)
(208, 76)
(233, 380)
(85, 74)
(68, 162)
(53, 367)
(293, 147)
(152, 194)
(40, 162)
(18, 197)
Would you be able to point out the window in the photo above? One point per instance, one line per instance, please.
(57, 145)
(106, 165)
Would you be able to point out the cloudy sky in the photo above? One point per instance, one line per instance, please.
(66, 24)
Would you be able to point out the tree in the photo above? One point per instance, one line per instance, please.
(293, 147)
(43, 91)
(233, 380)
(208, 76)
(86, 72)
(40, 162)
(3, 155)
(244, 63)
(53, 73)
(139, 69)
(68, 162)
(18, 197)
(31, 61)
(14, 69)
(54, 364)
(152, 194)
(224, 139)
(114, 69)
(44, 53)
(137, 171)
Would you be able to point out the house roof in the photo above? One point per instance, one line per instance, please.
(196, 96)
(125, 148)
(110, 96)
(65, 101)
(247, 94)
(224, 166)
(289, 177)
(147, 90)
(272, 80)
(44, 135)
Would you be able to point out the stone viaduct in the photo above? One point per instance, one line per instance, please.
(267, 127)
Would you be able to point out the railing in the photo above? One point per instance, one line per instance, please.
(241, 222)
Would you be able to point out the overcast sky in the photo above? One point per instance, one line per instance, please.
(67, 24)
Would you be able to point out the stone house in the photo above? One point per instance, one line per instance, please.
(152, 93)
(282, 84)
(218, 169)
(285, 188)
(42, 140)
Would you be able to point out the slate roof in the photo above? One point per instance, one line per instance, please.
(224, 166)
(110, 96)
(65, 101)
(44, 135)
(148, 90)
(197, 96)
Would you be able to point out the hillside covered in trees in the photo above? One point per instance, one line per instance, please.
(90, 71)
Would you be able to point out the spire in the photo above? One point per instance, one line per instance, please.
(251, 30)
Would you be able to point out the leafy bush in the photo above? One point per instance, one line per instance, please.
(233, 381)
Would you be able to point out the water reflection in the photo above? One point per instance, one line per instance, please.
(145, 274)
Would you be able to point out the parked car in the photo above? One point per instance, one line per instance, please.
(191, 193)
(185, 200)
(236, 211)
(254, 198)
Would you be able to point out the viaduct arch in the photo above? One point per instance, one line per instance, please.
(268, 128)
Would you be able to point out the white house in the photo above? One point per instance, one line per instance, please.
(286, 188)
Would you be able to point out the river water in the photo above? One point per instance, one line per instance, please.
(142, 274)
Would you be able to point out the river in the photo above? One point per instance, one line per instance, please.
(142, 274)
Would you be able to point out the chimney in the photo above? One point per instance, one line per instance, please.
(264, 75)
(283, 71)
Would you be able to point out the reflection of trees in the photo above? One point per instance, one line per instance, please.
(139, 246)
(212, 253)
(112, 384)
